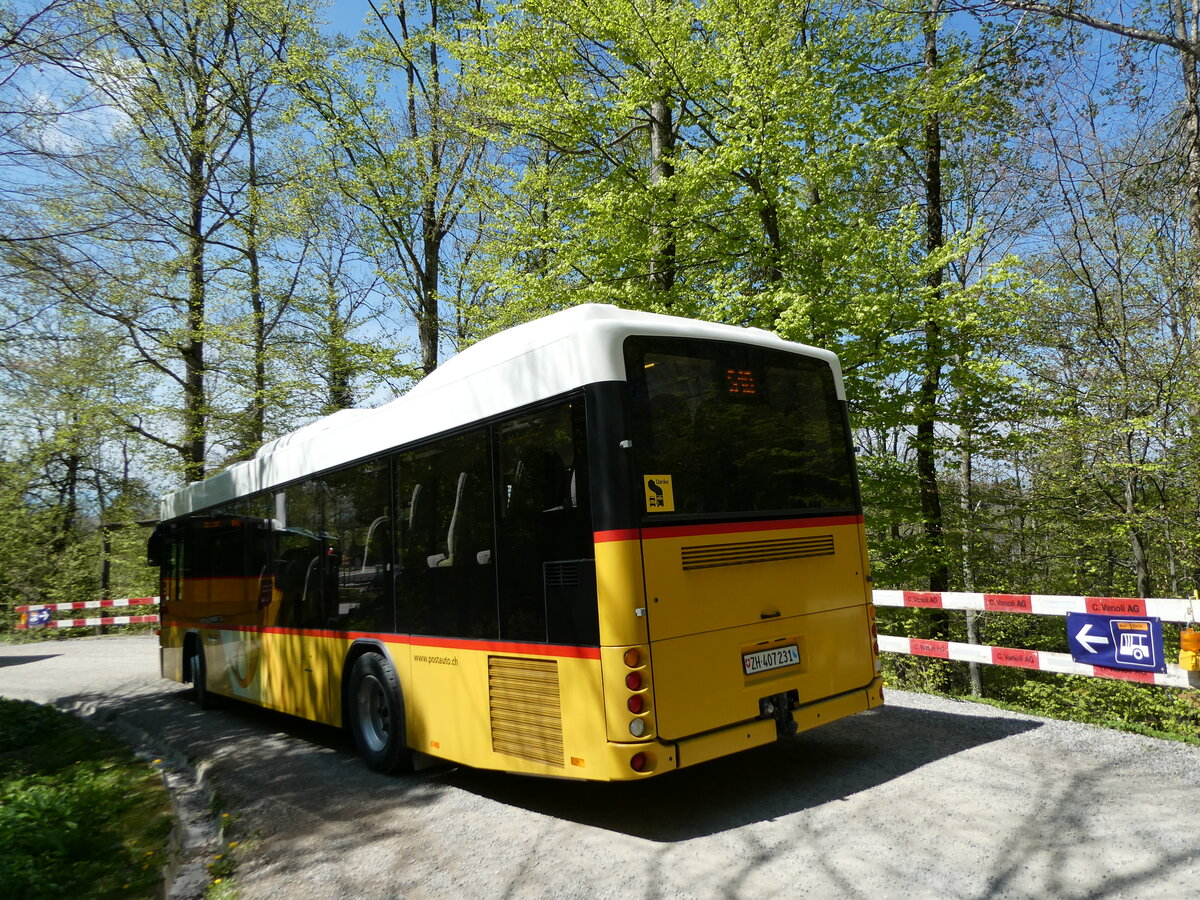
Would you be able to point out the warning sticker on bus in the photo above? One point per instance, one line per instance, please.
(774, 658)
(659, 496)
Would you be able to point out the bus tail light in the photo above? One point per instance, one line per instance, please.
(873, 630)
(637, 683)
(640, 762)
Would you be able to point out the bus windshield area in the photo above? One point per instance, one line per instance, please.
(723, 429)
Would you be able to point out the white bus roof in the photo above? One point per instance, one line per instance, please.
(522, 365)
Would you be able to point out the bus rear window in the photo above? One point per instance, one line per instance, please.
(729, 429)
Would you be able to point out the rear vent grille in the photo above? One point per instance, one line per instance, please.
(746, 552)
(562, 574)
(525, 710)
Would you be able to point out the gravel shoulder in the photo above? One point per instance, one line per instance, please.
(925, 797)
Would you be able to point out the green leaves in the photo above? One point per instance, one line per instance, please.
(78, 815)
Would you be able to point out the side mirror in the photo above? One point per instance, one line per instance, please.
(159, 545)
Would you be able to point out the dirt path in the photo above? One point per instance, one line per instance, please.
(925, 797)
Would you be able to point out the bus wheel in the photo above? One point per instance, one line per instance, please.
(376, 715)
(201, 695)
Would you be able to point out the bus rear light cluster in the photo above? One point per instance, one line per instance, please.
(638, 703)
(874, 631)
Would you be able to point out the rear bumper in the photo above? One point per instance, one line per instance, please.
(667, 755)
(702, 748)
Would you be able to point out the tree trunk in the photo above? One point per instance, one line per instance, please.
(930, 387)
(1137, 543)
(429, 322)
(195, 411)
(1186, 30)
(255, 429)
(662, 233)
(975, 670)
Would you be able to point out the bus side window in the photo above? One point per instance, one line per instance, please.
(544, 538)
(445, 583)
(299, 564)
(356, 539)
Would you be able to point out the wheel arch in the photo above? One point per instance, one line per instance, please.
(357, 650)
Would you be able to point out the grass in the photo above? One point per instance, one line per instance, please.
(80, 816)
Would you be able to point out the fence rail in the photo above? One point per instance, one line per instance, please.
(38, 616)
(1169, 609)
(1172, 609)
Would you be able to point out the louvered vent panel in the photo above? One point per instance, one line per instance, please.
(744, 553)
(525, 710)
(562, 574)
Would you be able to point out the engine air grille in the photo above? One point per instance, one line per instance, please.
(744, 553)
(525, 710)
(562, 574)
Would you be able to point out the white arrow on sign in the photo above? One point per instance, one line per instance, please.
(1087, 639)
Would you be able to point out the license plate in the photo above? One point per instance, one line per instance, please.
(775, 658)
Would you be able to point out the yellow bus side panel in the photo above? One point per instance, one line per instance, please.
(621, 592)
(497, 708)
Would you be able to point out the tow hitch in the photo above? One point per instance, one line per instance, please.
(779, 707)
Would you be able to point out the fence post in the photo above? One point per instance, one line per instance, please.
(105, 568)
(974, 668)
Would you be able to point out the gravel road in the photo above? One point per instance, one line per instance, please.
(925, 797)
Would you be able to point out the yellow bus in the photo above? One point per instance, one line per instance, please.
(603, 545)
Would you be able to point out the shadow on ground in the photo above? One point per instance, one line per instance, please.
(21, 660)
(295, 764)
(818, 767)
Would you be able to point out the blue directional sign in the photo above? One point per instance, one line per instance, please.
(38, 617)
(1134, 643)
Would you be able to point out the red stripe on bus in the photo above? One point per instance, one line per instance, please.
(620, 534)
(561, 650)
(651, 532)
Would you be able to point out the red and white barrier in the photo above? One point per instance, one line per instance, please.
(1169, 609)
(99, 620)
(37, 616)
(92, 604)
(1040, 660)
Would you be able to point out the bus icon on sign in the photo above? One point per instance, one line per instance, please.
(1132, 642)
(1133, 646)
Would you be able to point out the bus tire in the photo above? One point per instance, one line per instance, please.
(376, 715)
(201, 695)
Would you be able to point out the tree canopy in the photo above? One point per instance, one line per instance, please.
(221, 219)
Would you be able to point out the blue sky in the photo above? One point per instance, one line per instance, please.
(346, 16)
